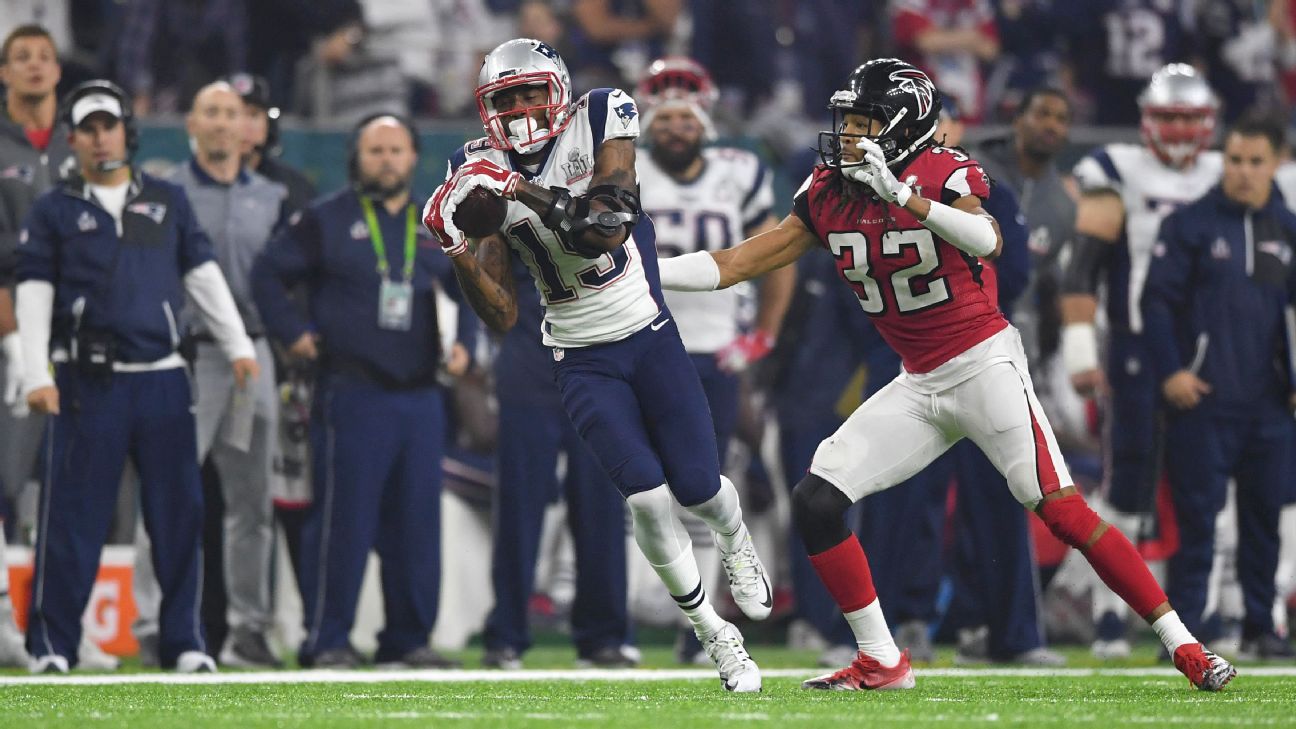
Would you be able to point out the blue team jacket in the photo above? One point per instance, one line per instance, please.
(327, 248)
(132, 284)
(1220, 277)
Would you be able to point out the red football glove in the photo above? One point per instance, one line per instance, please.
(742, 352)
(487, 174)
(438, 217)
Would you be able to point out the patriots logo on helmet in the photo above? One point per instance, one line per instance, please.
(547, 50)
(916, 82)
(627, 112)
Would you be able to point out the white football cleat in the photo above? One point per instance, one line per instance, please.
(48, 664)
(90, 656)
(1108, 650)
(738, 672)
(747, 580)
(195, 662)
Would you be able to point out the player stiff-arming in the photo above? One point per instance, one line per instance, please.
(903, 218)
(568, 169)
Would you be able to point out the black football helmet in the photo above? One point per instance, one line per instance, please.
(896, 93)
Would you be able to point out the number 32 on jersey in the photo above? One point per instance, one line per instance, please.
(914, 287)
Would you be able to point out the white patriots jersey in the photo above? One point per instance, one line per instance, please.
(1149, 190)
(587, 301)
(712, 212)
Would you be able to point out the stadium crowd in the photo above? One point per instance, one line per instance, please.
(358, 410)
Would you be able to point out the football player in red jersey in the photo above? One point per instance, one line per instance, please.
(902, 216)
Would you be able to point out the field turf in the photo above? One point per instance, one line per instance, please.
(1138, 692)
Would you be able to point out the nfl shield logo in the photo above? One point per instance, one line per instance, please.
(559, 354)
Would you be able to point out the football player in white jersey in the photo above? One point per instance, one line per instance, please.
(567, 168)
(704, 198)
(1126, 191)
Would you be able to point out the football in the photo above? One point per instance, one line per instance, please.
(481, 213)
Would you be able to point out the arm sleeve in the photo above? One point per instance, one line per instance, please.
(1165, 296)
(1013, 264)
(34, 307)
(291, 257)
(206, 287)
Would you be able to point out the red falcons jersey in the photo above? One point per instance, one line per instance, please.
(930, 301)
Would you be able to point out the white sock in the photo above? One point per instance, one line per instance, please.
(663, 541)
(872, 635)
(723, 514)
(1172, 632)
(685, 585)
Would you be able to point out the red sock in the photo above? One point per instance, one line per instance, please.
(1119, 565)
(845, 572)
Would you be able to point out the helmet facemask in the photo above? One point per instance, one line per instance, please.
(895, 144)
(518, 129)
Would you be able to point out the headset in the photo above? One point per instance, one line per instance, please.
(104, 86)
(353, 153)
(255, 90)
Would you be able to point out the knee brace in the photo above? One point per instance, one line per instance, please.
(1070, 519)
(818, 509)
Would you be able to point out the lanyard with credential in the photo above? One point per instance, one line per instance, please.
(395, 298)
(376, 238)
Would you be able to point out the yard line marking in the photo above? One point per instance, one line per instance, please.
(583, 674)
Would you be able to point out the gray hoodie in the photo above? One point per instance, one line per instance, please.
(25, 174)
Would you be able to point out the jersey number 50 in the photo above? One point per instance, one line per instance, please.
(914, 289)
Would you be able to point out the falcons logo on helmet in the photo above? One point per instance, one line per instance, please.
(915, 82)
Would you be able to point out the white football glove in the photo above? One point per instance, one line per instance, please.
(878, 176)
(438, 216)
(13, 389)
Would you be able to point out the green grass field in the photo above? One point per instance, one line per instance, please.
(1133, 693)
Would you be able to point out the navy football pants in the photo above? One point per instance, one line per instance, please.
(377, 476)
(530, 439)
(144, 416)
(640, 405)
(1204, 452)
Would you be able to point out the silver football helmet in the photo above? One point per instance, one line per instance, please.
(524, 62)
(1178, 114)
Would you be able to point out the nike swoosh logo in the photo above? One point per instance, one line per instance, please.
(658, 325)
(769, 596)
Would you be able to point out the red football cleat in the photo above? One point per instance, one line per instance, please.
(1204, 669)
(866, 674)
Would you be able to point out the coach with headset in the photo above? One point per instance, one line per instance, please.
(105, 261)
(378, 426)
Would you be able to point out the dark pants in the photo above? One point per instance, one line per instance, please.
(993, 570)
(640, 406)
(1133, 428)
(721, 390)
(798, 440)
(1204, 451)
(144, 416)
(377, 477)
(531, 437)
